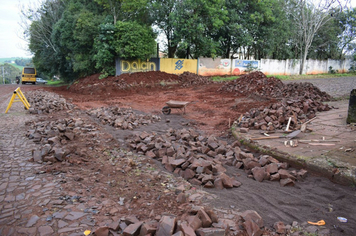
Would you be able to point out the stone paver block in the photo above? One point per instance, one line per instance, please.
(45, 230)
(133, 229)
(74, 215)
(166, 226)
(32, 221)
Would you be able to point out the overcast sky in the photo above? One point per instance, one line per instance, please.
(11, 45)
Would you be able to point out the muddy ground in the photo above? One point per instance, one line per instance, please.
(212, 112)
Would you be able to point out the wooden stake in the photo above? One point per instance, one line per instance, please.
(321, 144)
(287, 128)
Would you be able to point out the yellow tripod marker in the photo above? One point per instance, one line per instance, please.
(20, 98)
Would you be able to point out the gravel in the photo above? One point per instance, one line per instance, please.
(336, 87)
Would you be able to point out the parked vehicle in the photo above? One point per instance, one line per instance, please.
(41, 81)
(29, 75)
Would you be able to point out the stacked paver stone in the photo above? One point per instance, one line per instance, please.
(198, 221)
(46, 102)
(58, 138)
(276, 115)
(200, 159)
(122, 118)
(298, 101)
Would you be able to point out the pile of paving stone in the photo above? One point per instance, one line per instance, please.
(259, 84)
(188, 79)
(46, 102)
(304, 90)
(122, 118)
(276, 115)
(198, 221)
(298, 101)
(200, 159)
(58, 139)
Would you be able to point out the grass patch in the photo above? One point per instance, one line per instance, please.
(318, 76)
(290, 77)
(56, 83)
(219, 78)
(303, 158)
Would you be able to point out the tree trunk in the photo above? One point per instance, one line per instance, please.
(171, 51)
(188, 52)
(227, 53)
(304, 58)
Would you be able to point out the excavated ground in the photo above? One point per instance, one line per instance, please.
(213, 111)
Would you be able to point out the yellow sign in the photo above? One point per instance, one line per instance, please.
(178, 66)
(20, 98)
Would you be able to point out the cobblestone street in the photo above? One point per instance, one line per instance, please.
(26, 192)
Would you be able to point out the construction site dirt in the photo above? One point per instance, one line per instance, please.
(229, 111)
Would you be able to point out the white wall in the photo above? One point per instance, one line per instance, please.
(291, 66)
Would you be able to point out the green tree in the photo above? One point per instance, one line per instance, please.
(134, 41)
(38, 26)
(131, 10)
(198, 23)
(104, 49)
(74, 36)
(325, 44)
(164, 15)
(310, 17)
(347, 22)
(232, 35)
(128, 40)
(23, 61)
(8, 73)
(189, 25)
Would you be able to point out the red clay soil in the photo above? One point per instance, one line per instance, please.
(212, 110)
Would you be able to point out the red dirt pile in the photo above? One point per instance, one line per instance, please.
(125, 81)
(297, 100)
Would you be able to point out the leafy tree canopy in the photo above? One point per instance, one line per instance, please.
(134, 41)
(74, 38)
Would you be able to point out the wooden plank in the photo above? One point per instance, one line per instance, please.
(321, 144)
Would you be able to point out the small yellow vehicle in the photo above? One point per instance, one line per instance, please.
(29, 75)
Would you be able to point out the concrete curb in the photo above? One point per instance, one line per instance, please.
(315, 166)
